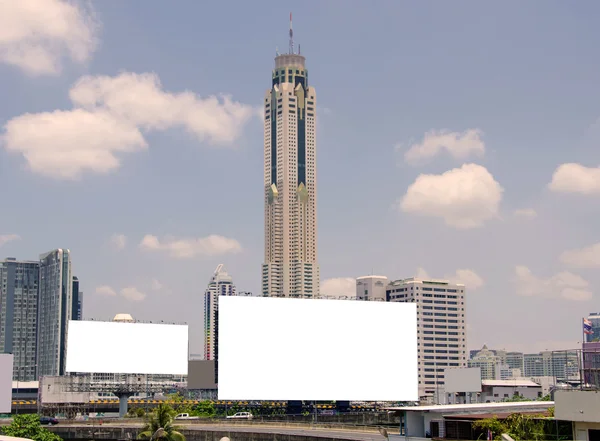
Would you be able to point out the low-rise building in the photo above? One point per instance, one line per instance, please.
(493, 391)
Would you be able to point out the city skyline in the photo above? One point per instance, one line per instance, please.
(153, 188)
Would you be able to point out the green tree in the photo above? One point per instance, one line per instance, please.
(162, 417)
(520, 427)
(28, 426)
(205, 409)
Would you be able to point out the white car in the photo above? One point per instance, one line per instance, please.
(241, 416)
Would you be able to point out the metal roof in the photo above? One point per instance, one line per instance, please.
(510, 383)
(477, 407)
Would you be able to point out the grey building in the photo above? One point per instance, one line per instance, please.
(55, 307)
(594, 318)
(77, 303)
(18, 320)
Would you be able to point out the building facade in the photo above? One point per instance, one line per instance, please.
(290, 266)
(371, 288)
(77, 303)
(55, 308)
(18, 319)
(441, 330)
(594, 318)
(221, 284)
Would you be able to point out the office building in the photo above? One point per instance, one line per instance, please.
(55, 309)
(371, 288)
(221, 284)
(441, 327)
(18, 319)
(594, 318)
(290, 266)
(77, 303)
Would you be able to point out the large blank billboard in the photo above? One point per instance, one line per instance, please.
(6, 374)
(462, 380)
(305, 349)
(127, 348)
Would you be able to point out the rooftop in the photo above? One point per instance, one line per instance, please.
(478, 407)
(510, 383)
(371, 277)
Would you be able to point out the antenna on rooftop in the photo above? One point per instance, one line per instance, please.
(291, 36)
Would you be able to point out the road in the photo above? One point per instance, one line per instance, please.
(317, 432)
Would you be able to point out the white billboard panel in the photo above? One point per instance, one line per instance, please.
(462, 380)
(127, 348)
(304, 349)
(6, 374)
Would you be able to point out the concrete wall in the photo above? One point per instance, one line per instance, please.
(580, 430)
(577, 405)
(504, 392)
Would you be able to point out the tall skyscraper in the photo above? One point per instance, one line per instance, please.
(18, 319)
(441, 326)
(221, 284)
(55, 307)
(290, 268)
(77, 302)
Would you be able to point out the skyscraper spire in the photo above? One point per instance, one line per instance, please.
(291, 36)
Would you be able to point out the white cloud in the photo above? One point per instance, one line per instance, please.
(118, 241)
(133, 294)
(35, 35)
(65, 144)
(587, 257)
(565, 284)
(107, 120)
(105, 290)
(141, 100)
(339, 287)
(464, 197)
(458, 145)
(576, 178)
(5, 238)
(187, 248)
(468, 277)
(527, 213)
(156, 285)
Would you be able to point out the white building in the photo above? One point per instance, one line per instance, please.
(441, 327)
(221, 284)
(371, 288)
(290, 187)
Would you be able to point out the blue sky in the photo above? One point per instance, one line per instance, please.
(132, 145)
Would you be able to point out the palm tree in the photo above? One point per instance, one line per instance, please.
(162, 418)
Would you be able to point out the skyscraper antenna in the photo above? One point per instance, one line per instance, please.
(291, 36)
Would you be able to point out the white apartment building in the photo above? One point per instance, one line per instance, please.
(290, 267)
(221, 284)
(371, 288)
(441, 327)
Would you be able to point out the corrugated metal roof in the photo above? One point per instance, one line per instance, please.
(477, 407)
(510, 383)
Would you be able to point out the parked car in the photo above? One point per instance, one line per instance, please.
(241, 416)
(47, 421)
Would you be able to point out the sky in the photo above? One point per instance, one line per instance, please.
(455, 140)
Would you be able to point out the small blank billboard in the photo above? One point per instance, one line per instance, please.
(6, 374)
(462, 380)
(313, 349)
(201, 375)
(127, 348)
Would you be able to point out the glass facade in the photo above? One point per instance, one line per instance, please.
(55, 308)
(18, 319)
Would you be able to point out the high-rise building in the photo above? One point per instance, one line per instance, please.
(18, 319)
(290, 267)
(221, 284)
(371, 288)
(594, 318)
(441, 332)
(77, 303)
(55, 307)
